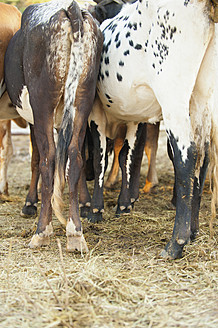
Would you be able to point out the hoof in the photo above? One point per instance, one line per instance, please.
(110, 184)
(147, 187)
(122, 209)
(173, 250)
(28, 211)
(42, 238)
(194, 235)
(77, 243)
(95, 217)
(4, 189)
(173, 201)
(38, 241)
(84, 211)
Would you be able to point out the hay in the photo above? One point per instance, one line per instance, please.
(122, 282)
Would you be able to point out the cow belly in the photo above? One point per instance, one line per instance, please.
(25, 109)
(139, 104)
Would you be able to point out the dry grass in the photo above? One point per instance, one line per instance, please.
(122, 282)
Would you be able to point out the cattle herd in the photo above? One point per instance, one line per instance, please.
(110, 72)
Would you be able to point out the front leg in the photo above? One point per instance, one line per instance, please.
(184, 160)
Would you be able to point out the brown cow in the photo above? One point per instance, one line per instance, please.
(51, 68)
(10, 19)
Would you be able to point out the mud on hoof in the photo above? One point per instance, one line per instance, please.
(122, 209)
(173, 250)
(43, 238)
(29, 210)
(95, 216)
(77, 243)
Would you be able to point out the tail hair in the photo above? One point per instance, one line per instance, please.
(64, 138)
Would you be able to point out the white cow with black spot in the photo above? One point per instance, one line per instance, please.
(158, 62)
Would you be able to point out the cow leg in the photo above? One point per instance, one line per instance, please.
(184, 177)
(197, 193)
(43, 131)
(137, 161)
(88, 156)
(6, 151)
(129, 161)
(97, 203)
(30, 207)
(170, 154)
(114, 172)
(75, 238)
(151, 145)
(84, 196)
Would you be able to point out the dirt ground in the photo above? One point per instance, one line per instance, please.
(122, 282)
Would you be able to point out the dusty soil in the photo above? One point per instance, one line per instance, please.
(122, 282)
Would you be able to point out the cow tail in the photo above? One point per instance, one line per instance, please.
(64, 138)
(66, 131)
(213, 172)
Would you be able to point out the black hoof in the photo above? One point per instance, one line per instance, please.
(194, 235)
(29, 211)
(172, 251)
(95, 217)
(84, 211)
(173, 201)
(120, 211)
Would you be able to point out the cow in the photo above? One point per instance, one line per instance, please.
(10, 18)
(52, 82)
(159, 62)
(108, 9)
(103, 10)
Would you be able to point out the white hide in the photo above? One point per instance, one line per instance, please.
(156, 80)
(26, 110)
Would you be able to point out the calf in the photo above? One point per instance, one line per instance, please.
(54, 76)
(10, 19)
(158, 62)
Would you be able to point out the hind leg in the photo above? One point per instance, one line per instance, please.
(84, 196)
(130, 163)
(6, 151)
(30, 207)
(43, 133)
(75, 238)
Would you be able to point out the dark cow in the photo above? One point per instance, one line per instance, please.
(51, 67)
(158, 62)
(10, 19)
